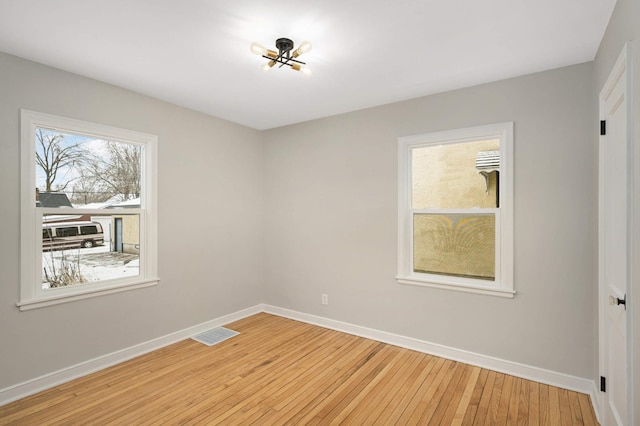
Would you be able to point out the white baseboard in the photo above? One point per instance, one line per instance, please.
(56, 378)
(537, 374)
(50, 380)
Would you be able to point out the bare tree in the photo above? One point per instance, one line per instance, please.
(53, 158)
(87, 189)
(99, 174)
(116, 172)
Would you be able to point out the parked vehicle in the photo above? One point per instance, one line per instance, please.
(67, 235)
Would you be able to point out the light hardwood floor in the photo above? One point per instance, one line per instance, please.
(279, 371)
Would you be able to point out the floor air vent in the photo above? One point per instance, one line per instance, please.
(216, 335)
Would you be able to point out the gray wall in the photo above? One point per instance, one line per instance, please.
(331, 221)
(210, 226)
(625, 26)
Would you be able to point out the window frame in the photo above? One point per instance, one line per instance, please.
(503, 285)
(31, 293)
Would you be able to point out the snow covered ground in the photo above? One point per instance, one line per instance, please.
(96, 263)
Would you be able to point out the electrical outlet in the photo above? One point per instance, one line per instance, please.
(325, 299)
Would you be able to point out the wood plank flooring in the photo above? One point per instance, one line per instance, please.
(279, 371)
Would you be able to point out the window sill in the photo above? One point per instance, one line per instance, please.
(466, 288)
(41, 302)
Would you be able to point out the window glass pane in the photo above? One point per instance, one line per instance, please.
(88, 230)
(455, 244)
(82, 249)
(455, 176)
(74, 170)
(67, 232)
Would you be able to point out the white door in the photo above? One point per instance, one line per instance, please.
(613, 253)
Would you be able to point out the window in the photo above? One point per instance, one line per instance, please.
(88, 230)
(455, 210)
(68, 232)
(91, 190)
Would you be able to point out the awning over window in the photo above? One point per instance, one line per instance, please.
(488, 161)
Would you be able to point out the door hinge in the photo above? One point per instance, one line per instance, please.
(603, 127)
(603, 384)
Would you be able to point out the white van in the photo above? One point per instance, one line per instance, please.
(66, 235)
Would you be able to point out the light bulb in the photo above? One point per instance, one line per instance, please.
(258, 49)
(266, 67)
(304, 70)
(304, 47)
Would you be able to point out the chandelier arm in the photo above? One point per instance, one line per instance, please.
(282, 61)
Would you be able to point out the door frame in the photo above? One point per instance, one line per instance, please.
(623, 65)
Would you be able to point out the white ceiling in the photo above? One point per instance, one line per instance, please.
(195, 53)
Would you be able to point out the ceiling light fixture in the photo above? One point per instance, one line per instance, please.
(284, 56)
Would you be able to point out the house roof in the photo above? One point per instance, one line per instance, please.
(128, 204)
(365, 53)
(53, 199)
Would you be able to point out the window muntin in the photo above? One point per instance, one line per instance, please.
(108, 173)
(455, 210)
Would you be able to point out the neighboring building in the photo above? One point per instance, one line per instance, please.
(57, 200)
(52, 199)
(125, 229)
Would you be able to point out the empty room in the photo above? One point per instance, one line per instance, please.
(361, 213)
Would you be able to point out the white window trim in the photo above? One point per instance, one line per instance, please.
(503, 285)
(31, 293)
